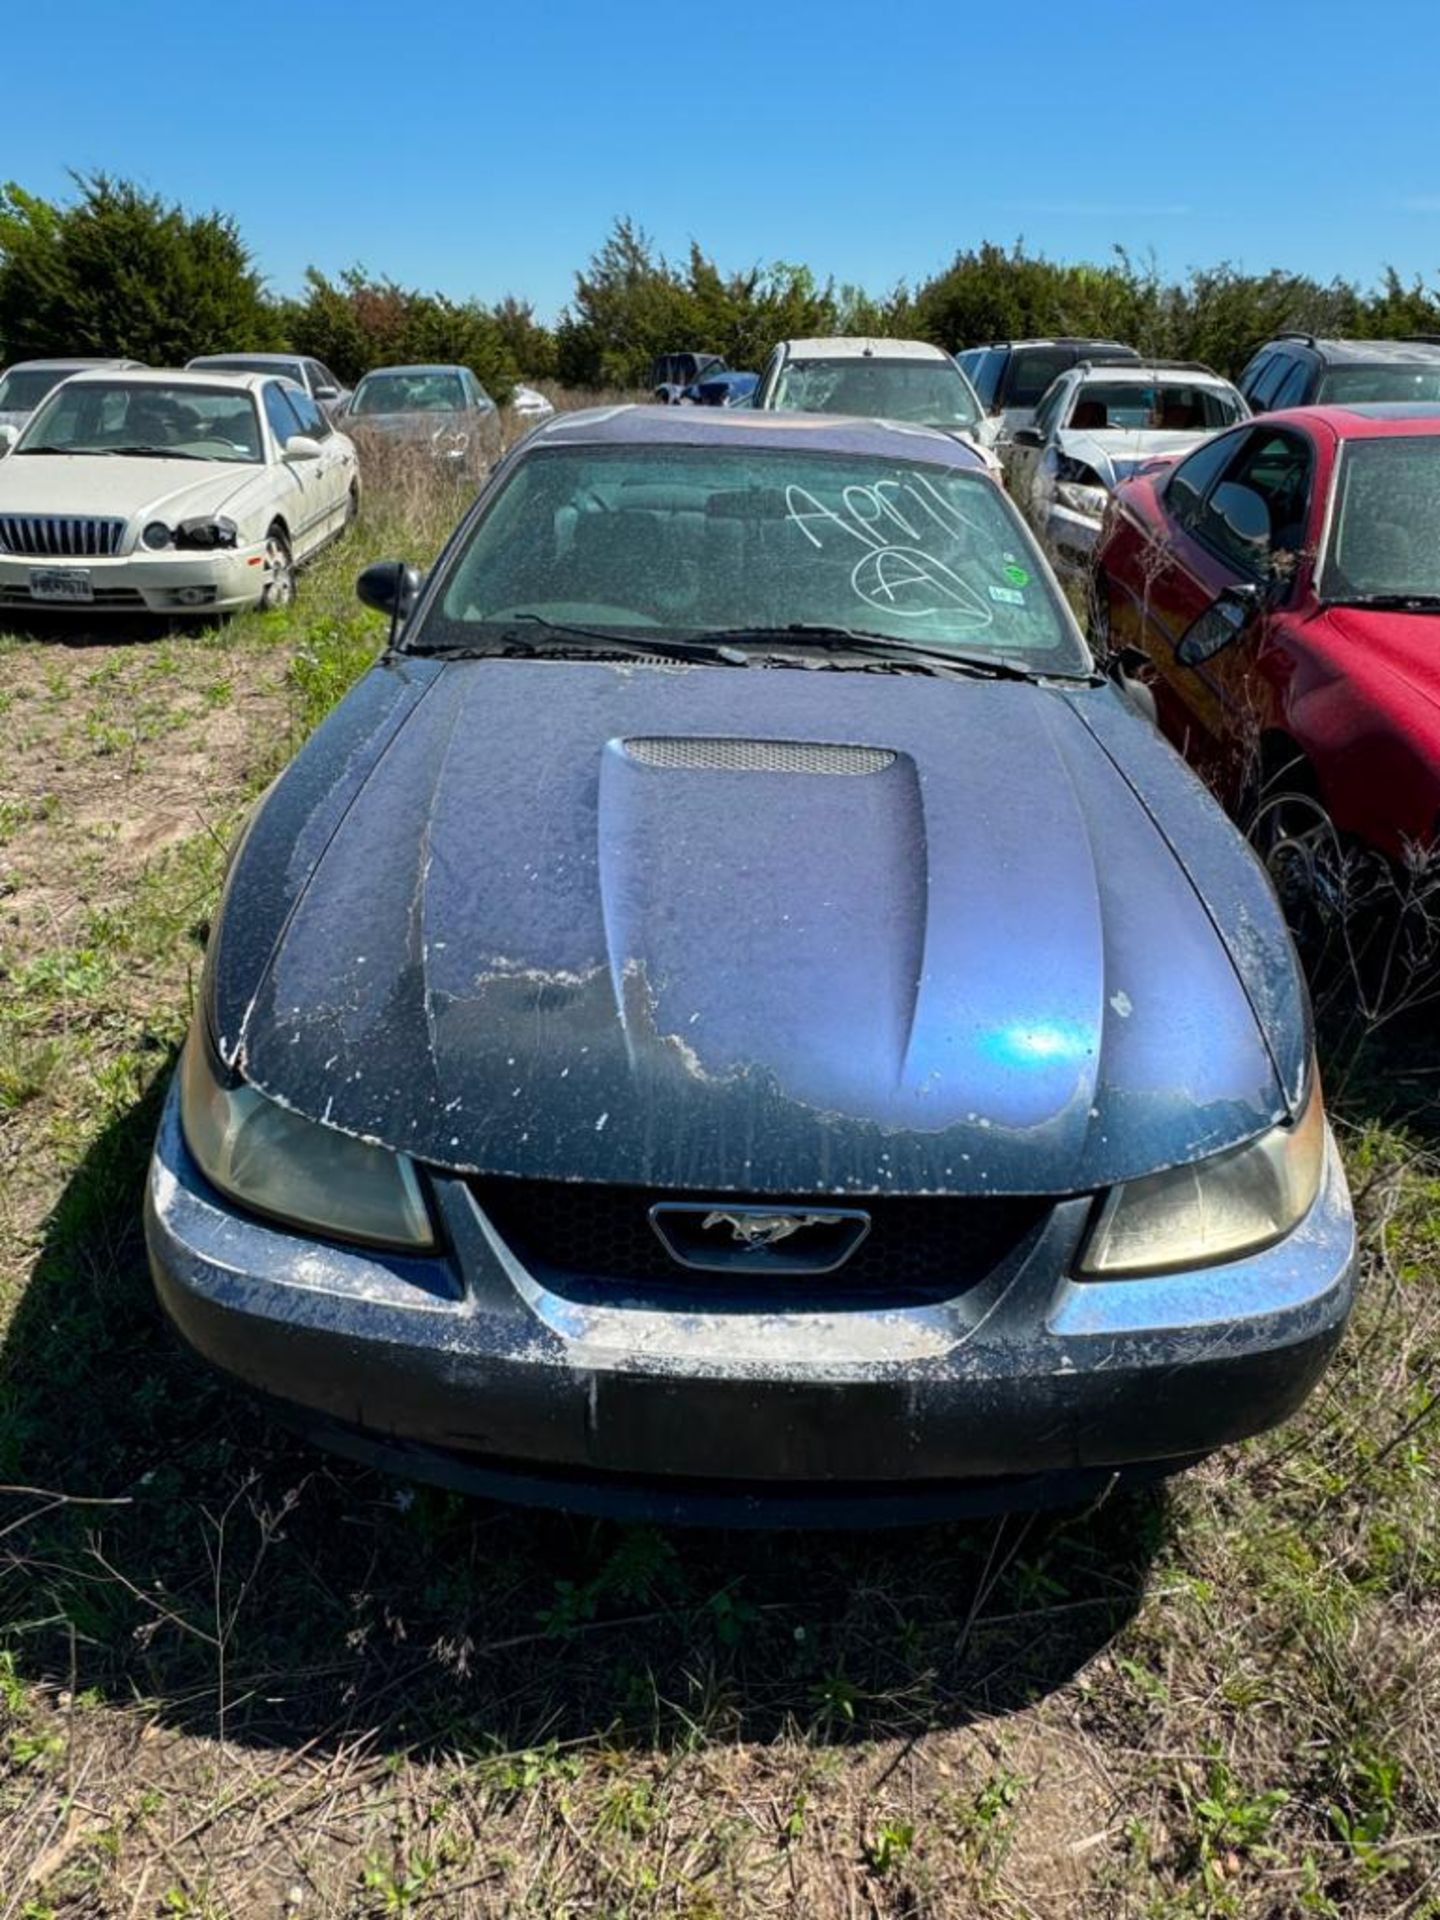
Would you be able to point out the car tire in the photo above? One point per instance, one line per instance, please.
(279, 589)
(1289, 827)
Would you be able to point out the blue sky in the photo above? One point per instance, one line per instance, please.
(481, 149)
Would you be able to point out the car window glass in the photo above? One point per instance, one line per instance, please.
(986, 377)
(1031, 371)
(931, 393)
(176, 421)
(1361, 386)
(1291, 391)
(1250, 378)
(312, 420)
(695, 539)
(1192, 479)
(1270, 380)
(284, 421)
(1049, 409)
(1385, 527)
(1274, 468)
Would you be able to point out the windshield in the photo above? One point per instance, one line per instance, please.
(1161, 406)
(239, 363)
(409, 393)
(23, 388)
(1358, 386)
(931, 393)
(695, 540)
(130, 416)
(1385, 524)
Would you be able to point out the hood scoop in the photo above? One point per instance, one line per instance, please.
(693, 755)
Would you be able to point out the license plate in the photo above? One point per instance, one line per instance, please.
(61, 583)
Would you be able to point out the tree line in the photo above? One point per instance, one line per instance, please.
(116, 270)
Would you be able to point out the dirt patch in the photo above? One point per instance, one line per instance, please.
(116, 751)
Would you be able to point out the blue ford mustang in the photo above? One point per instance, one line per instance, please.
(734, 1016)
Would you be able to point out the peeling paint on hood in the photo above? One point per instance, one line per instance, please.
(489, 932)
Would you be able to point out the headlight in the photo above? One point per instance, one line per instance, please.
(450, 440)
(156, 536)
(1212, 1210)
(205, 535)
(293, 1169)
(1082, 499)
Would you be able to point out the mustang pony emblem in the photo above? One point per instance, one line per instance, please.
(763, 1229)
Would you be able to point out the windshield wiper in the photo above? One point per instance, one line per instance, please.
(154, 453)
(886, 647)
(508, 641)
(1397, 602)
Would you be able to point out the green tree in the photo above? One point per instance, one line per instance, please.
(361, 322)
(123, 272)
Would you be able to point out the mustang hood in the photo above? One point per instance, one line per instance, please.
(750, 930)
(134, 489)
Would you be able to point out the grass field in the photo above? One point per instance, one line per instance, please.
(241, 1679)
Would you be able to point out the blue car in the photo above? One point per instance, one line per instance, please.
(735, 1018)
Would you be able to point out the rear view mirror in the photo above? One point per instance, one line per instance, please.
(1223, 621)
(389, 586)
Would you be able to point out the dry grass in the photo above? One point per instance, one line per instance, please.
(239, 1679)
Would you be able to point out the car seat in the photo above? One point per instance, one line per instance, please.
(1090, 416)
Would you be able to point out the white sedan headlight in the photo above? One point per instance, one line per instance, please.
(1212, 1210)
(292, 1169)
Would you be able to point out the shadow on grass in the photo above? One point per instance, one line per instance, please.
(79, 629)
(251, 1586)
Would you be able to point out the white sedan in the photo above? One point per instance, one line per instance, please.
(170, 493)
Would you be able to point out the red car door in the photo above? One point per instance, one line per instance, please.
(1236, 516)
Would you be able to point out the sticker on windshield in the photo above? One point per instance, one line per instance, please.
(1017, 576)
(1008, 596)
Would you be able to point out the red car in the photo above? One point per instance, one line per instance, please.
(1283, 584)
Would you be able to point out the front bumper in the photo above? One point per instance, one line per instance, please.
(466, 1368)
(167, 582)
(1071, 537)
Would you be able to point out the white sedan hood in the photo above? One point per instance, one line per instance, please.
(121, 487)
(1115, 452)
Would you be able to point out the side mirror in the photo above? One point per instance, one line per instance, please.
(8, 436)
(1223, 621)
(327, 393)
(1123, 666)
(1027, 437)
(389, 586)
(300, 448)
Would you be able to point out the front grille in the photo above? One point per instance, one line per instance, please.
(918, 1247)
(60, 536)
(758, 756)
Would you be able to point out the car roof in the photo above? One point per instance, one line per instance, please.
(230, 359)
(46, 366)
(637, 426)
(452, 366)
(1375, 420)
(858, 346)
(1109, 373)
(1066, 340)
(182, 377)
(1364, 353)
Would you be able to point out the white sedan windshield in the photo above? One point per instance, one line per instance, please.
(145, 417)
